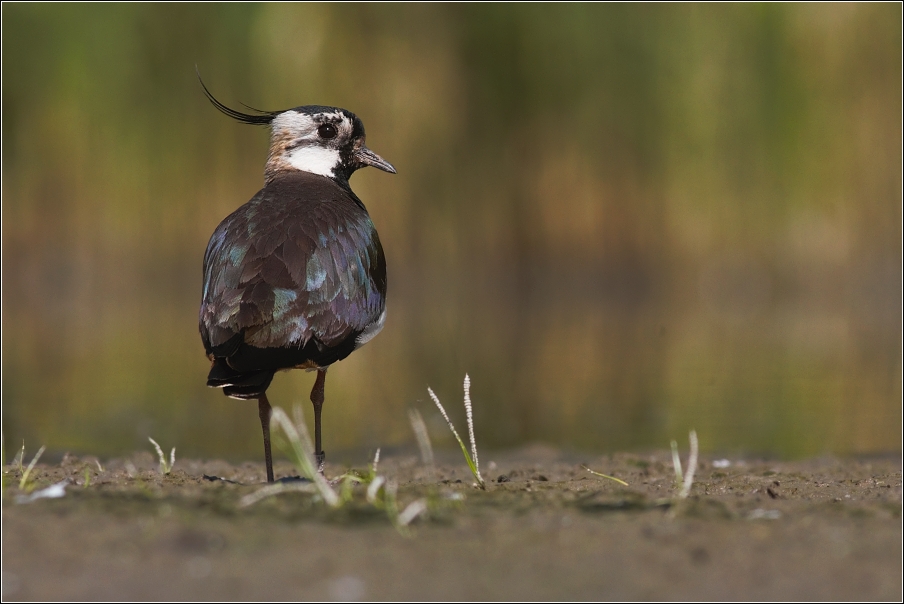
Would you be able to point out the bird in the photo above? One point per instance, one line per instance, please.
(296, 277)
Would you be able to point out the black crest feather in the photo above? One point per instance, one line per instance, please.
(262, 119)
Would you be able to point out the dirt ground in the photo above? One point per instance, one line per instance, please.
(545, 529)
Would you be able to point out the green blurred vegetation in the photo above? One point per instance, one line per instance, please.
(622, 220)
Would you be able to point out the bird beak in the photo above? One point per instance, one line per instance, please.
(369, 158)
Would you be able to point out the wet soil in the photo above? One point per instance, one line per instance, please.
(545, 528)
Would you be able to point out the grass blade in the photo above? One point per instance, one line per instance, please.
(470, 417)
(691, 466)
(24, 480)
(275, 489)
(412, 511)
(676, 463)
(373, 488)
(461, 443)
(618, 480)
(301, 452)
(165, 468)
(373, 469)
(423, 438)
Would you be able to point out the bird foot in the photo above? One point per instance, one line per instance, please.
(320, 458)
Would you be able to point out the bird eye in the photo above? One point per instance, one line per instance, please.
(327, 131)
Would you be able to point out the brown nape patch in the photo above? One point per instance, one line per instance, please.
(276, 159)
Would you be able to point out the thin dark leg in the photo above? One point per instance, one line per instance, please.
(317, 400)
(263, 407)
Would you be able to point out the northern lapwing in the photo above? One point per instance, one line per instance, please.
(296, 277)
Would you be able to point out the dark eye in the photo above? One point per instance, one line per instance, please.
(327, 131)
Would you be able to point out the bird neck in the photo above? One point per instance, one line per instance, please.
(281, 163)
(286, 157)
(277, 174)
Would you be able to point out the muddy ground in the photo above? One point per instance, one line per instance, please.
(545, 528)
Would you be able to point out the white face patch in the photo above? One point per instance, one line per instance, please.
(316, 160)
(308, 152)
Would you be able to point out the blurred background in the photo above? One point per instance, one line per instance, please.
(624, 221)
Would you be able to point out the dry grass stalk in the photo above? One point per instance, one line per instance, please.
(165, 468)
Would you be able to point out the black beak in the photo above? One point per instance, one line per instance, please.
(369, 158)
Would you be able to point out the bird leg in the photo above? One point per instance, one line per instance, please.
(317, 400)
(263, 407)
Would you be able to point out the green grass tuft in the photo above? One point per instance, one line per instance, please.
(473, 462)
(165, 466)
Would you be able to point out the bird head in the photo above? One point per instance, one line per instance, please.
(328, 141)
